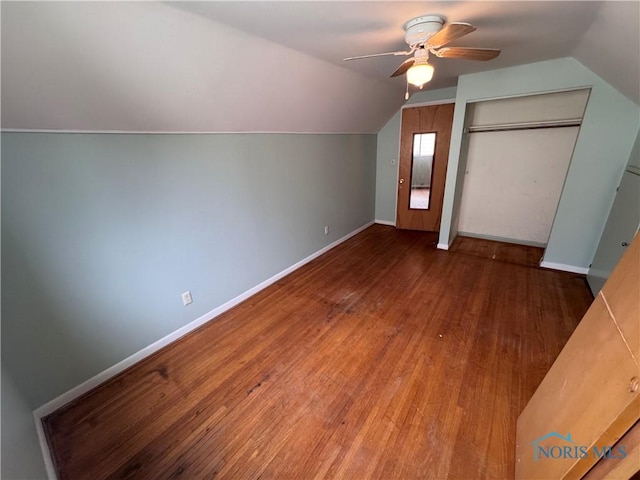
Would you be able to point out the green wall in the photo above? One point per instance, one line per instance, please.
(21, 454)
(634, 157)
(101, 233)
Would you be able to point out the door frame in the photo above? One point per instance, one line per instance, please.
(432, 103)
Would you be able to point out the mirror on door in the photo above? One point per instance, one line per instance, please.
(422, 170)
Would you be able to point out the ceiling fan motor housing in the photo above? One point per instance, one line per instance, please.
(421, 29)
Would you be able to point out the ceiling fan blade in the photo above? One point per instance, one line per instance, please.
(449, 33)
(379, 55)
(406, 65)
(465, 53)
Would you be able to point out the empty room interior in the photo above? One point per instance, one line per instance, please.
(319, 239)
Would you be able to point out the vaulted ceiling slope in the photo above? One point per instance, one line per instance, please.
(150, 66)
(610, 47)
(270, 66)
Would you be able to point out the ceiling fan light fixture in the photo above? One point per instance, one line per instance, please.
(428, 34)
(420, 74)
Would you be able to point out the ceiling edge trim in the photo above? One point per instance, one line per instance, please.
(152, 132)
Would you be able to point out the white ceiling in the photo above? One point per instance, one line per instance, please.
(611, 47)
(271, 66)
(525, 31)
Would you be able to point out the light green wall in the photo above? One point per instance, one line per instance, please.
(386, 173)
(634, 158)
(622, 225)
(388, 149)
(606, 137)
(21, 454)
(101, 234)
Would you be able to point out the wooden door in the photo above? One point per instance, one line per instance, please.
(424, 153)
(591, 395)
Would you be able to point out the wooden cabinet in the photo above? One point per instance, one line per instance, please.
(591, 395)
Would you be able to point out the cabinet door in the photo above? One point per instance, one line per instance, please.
(620, 228)
(591, 395)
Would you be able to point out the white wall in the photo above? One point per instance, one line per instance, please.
(601, 152)
(513, 179)
(157, 67)
(611, 46)
(513, 182)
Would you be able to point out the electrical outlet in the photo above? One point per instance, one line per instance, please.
(326, 230)
(187, 298)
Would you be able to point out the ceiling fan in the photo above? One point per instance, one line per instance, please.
(428, 34)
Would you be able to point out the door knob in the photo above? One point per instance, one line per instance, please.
(401, 180)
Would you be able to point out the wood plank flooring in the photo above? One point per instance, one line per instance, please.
(384, 358)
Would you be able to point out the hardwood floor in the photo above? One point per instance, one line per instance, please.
(384, 358)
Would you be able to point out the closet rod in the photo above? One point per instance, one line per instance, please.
(504, 127)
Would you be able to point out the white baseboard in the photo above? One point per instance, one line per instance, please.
(44, 446)
(443, 246)
(564, 268)
(494, 238)
(110, 372)
(385, 222)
